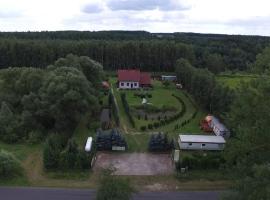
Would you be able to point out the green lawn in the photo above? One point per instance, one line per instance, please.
(21, 151)
(138, 140)
(233, 81)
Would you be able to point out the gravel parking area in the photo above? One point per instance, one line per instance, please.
(135, 163)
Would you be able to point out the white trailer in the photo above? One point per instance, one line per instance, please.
(88, 144)
(201, 142)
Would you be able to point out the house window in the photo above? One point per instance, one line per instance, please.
(122, 84)
(190, 144)
(203, 145)
(135, 84)
(127, 84)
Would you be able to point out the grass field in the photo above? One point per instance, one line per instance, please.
(233, 81)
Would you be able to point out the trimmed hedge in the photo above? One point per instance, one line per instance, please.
(170, 119)
(127, 109)
(114, 108)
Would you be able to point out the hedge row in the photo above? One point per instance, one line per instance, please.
(114, 108)
(127, 109)
(168, 119)
(142, 94)
(201, 161)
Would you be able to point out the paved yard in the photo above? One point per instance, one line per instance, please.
(135, 163)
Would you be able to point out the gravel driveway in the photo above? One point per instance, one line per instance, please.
(135, 163)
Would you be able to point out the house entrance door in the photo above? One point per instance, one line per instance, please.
(131, 85)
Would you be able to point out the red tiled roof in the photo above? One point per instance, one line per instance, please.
(135, 75)
(145, 78)
(129, 75)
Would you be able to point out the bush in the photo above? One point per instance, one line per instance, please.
(35, 137)
(9, 165)
(57, 155)
(202, 161)
(113, 187)
(143, 128)
(53, 147)
(159, 142)
(150, 126)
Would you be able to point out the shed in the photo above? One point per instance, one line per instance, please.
(168, 78)
(201, 142)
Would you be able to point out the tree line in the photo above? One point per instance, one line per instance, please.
(127, 49)
(202, 85)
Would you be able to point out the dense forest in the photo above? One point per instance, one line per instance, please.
(36, 102)
(132, 49)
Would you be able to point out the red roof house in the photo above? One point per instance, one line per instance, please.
(133, 79)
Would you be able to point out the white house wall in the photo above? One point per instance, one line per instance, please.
(127, 85)
(199, 146)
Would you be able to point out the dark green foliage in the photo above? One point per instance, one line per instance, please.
(114, 108)
(159, 142)
(105, 140)
(9, 165)
(53, 147)
(202, 85)
(127, 109)
(126, 48)
(262, 64)
(249, 121)
(8, 124)
(61, 155)
(166, 83)
(68, 157)
(252, 187)
(198, 160)
(37, 101)
(113, 187)
(143, 128)
(248, 151)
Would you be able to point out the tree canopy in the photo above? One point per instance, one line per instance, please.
(51, 99)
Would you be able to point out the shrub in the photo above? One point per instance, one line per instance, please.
(201, 161)
(53, 147)
(9, 165)
(143, 128)
(156, 124)
(159, 142)
(35, 137)
(113, 187)
(145, 117)
(150, 126)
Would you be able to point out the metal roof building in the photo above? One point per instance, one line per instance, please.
(201, 142)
